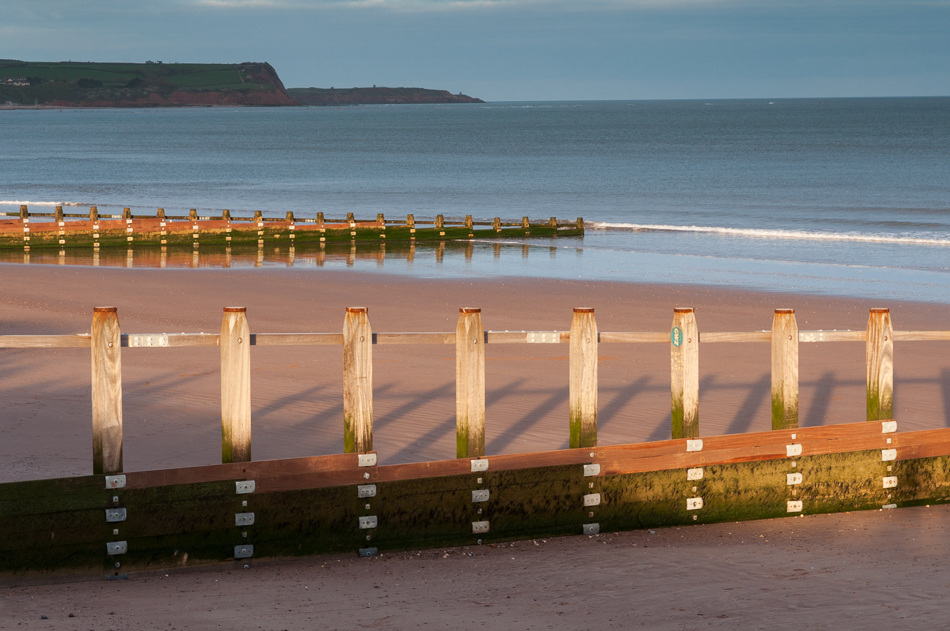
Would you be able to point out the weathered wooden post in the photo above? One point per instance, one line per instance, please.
(225, 215)
(411, 221)
(496, 224)
(580, 224)
(94, 213)
(350, 219)
(290, 216)
(440, 222)
(320, 219)
(784, 370)
(381, 219)
(880, 366)
(470, 384)
(684, 368)
(235, 386)
(24, 212)
(106, 391)
(468, 222)
(583, 379)
(525, 223)
(193, 214)
(553, 222)
(127, 213)
(357, 381)
(59, 214)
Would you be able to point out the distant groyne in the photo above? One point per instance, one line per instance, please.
(95, 230)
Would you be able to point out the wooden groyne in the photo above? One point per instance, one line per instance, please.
(93, 230)
(115, 521)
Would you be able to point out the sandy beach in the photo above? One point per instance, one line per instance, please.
(800, 573)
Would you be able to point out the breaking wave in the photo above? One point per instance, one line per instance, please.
(803, 235)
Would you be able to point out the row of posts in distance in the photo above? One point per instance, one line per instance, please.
(258, 216)
(470, 341)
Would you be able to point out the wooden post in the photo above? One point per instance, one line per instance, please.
(235, 386)
(880, 366)
(468, 222)
(583, 379)
(320, 219)
(496, 224)
(290, 216)
(684, 367)
(59, 213)
(24, 212)
(94, 213)
(440, 222)
(193, 214)
(784, 370)
(553, 222)
(411, 221)
(470, 384)
(258, 216)
(381, 219)
(160, 213)
(350, 218)
(580, 224)
(525, 223)
(357, 381)
(106, 391)
(127, 213)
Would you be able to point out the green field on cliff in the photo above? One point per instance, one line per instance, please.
(79, 83)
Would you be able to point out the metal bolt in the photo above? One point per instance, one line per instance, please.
(366, 475)
(367, 507)
(244, 503)
(592, 454)
(479, 542)
(247, 567)
(117, 564)
(110, 344)
(244, 534)
(115, 531)
(479, 480)
(115, 499)
(694, 489)
(361, 338)
(240, 340)
(590, 514)
(474, 341)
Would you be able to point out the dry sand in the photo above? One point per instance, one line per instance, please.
(890, 565)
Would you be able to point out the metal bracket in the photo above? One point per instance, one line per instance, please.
(591, 529)
(114, 515)
(243, 519)
(366, 490)
(794, 506)
(888, 454)
(793, 478)
(592, 499)
(117, 547)
(479, 527)
(544, 337)
(694, 474)
(367, 460)
(591, 469)
(694, 503)
(368, 522)
(888, 427)
(243, 552)
(244, 487)
(694, 445)
(480, 495)
(890, 482)
(368, 552)
(480, 465)
(115, 481)
(153, 340)
(793, 450)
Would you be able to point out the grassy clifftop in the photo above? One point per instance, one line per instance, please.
(79, 84)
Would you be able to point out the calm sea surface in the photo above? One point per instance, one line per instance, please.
(843, 196)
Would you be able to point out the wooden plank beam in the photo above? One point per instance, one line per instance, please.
(470, 384)
(106, 391)
(414, 338)
(357, 381)
(752, 336)
(583, 379)
(634, 337)
(832, 336)
(235, 386)
(45, 341)
(880, 366)
(921, 336)
(684, 369)
(784, 369)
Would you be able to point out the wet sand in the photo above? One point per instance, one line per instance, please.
(861, 570)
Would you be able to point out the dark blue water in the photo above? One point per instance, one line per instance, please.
(848, 196)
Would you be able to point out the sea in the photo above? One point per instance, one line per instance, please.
(845, 197)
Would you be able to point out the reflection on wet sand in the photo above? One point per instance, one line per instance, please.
(243, 256)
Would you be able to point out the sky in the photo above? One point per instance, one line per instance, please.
(519, 50)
